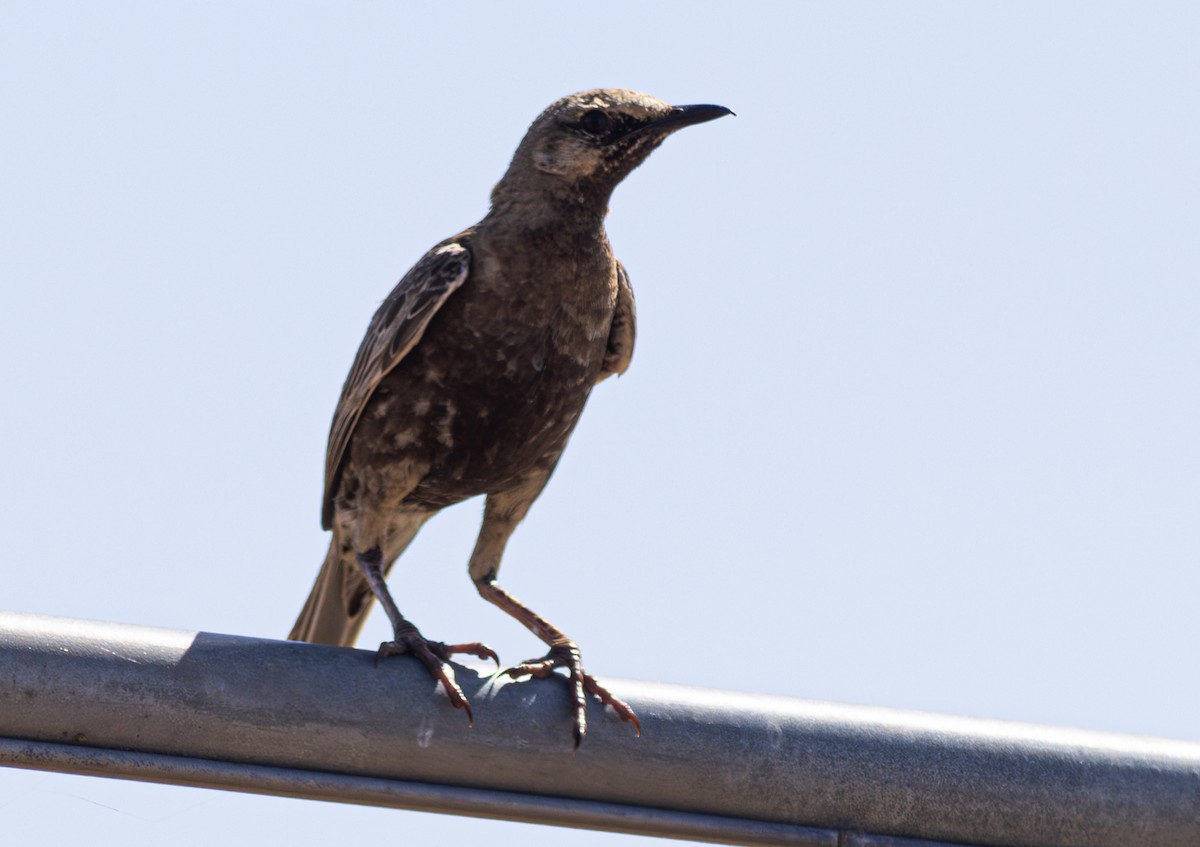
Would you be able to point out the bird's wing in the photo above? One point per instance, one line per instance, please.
(395, 329)
(619, 352)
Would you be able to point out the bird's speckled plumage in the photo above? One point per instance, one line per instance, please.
(476, 368)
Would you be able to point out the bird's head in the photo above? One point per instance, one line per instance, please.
(581, 146)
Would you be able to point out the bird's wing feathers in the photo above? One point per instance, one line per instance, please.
(395, 330)
(619, 352)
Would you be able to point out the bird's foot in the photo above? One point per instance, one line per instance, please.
(566, 655)
(434, 655)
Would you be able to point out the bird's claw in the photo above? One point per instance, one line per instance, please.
(566, 655)
(434, 655)
(474, 648)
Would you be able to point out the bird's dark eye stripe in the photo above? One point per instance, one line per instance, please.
(599, 125)
(595, 122)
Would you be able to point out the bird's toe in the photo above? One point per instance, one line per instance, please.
(566, 655)
(434, 655)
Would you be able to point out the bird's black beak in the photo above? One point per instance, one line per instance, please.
(681, 116)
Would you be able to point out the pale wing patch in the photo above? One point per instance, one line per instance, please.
(395, 329)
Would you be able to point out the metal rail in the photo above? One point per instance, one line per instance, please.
(300, 720)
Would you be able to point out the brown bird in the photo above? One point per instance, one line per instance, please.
(474, 372)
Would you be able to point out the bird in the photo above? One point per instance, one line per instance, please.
(472, 375)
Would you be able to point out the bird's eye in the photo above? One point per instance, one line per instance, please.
(594, 122)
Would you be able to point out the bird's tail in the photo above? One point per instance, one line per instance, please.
(338, 604)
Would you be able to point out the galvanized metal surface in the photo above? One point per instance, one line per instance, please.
(398, 794)
(302, 720)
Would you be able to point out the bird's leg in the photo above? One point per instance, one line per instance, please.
(564, 653)
(408, 639)
(501, 514)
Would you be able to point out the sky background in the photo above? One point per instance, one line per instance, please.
(912, 420)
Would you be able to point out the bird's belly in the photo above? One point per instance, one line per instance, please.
(483, 422)
(491, 446)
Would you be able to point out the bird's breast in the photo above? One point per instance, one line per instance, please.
(504, 370)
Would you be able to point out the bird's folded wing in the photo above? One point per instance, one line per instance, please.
(395, 329)
(619, 352)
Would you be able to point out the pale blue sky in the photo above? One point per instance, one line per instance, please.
(911, 422)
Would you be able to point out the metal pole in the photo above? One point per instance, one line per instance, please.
(300, 720)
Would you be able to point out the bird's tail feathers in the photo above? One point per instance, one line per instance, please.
(338, 604)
